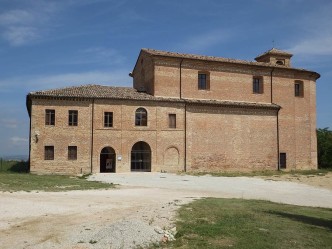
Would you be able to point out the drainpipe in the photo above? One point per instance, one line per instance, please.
(278, 141)
(271, 80)
(92, 118)
(185, 120)
(278, 150)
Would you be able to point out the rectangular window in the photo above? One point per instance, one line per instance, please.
(49, 153)
(108, 119)
(49, 117)
(72, 118)
(298, 89)
(203, 81)
(72, 152)
(257, 85)
(172, 120)
(282, 160)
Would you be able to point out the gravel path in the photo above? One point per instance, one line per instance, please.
(139, 212)
(227, 187)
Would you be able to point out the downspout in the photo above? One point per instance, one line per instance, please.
(185, 120)
(92, 118)
(278, 143)
(29, 106)
(278, 150)
(271, 81)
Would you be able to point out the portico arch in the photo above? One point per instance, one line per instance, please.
(107, 160)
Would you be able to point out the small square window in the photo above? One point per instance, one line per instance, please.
(172, 120)
(72, 152)
(257, 85)
(203, 81)
(49, 117)
(49, 153)
(73, 118)
(108, 119)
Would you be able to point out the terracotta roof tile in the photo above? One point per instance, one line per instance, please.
(227, 60)
(127, 93)
(274, 51)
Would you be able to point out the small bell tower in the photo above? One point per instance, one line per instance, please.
(275, 57)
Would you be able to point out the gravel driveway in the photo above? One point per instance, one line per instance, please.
(140, 211)
(226, 187)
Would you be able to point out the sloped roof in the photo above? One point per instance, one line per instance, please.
(93, 91)
(275, 51)
(199, 57)
(154, 52)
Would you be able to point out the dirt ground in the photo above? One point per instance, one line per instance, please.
(322, 181)
(137, 213)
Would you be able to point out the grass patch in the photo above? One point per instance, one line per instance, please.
(320, 172)
(13, 177)
(52, 183)
(236, 223)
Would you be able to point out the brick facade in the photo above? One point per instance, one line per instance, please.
(223, 127)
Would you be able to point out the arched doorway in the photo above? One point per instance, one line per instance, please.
(107, 160)
(141, 157)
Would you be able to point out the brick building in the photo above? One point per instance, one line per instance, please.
(184, 113)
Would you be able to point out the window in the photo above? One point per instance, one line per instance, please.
(257, 85)
(72, 152)
(282, 161)
(72, 118)
(49, 153)
(141, 117)
(203, 81)
(49, 117)
(108, 119)
(172, 120)
(298, 89)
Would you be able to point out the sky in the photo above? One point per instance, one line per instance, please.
(47, 44)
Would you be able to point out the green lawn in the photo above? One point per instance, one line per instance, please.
(13, 177)
(236, 223)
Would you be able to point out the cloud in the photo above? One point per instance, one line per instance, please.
(23, 26)
(18, 36)
(314, 46)
(42, 82)
(205, 40)
(314, 32)
(16, 17)
(19, 141)
(9, 123)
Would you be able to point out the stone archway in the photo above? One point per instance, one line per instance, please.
(141, 157)
(107, 160)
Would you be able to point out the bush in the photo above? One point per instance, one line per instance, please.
(324, 148)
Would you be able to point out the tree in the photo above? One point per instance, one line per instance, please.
(324, 147)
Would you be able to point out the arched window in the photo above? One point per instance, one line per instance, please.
(141, 117)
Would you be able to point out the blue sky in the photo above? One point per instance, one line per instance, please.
(50, 44)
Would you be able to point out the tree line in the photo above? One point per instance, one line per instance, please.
(324, 148)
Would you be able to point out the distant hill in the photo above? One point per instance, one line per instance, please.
(15, 157)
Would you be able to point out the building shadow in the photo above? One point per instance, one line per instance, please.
(324, 223)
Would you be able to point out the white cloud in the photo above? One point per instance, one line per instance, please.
(16, 17)
(43, 82)
(22, 26)
(315, 36)
(17, 36)
(18, 141)
(205, 40)
(9, 123)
